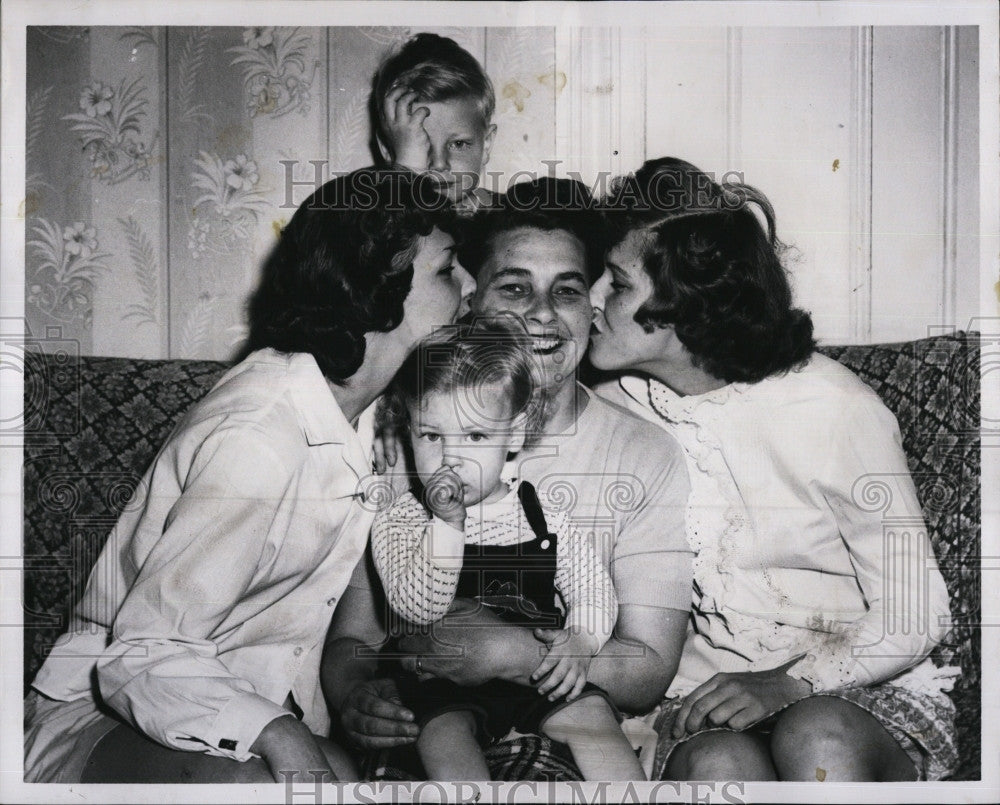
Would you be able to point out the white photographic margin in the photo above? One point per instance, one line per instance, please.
(17, 14)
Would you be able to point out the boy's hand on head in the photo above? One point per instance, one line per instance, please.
(403, 124)
(563, 672)
(445, 497)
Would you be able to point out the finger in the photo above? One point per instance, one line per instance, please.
(569, 681)
(547, 635)
(746, 717)
(403, 110)
(372, 727)
(389, 448)
(581, 683)
(692, 699)
(419, 115)
(555, 678)
(723, 713)
(371, 705)
(544, 667)
(391, 100)
(384, 742)
(697, 718)
(378, 456)
(445, 480)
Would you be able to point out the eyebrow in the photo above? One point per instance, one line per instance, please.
(447, 250)
(523, 272)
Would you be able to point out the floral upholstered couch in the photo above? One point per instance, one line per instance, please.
(92, 425)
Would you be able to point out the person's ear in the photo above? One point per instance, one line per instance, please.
(383, 149)
(518, 433)
(491, 133)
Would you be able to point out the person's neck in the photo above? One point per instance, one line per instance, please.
(566, 404)
(683, 377)
(383, 357)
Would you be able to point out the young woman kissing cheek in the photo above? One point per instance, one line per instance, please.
(617, 340)
(441, 287)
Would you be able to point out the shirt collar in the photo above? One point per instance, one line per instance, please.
(323, 422)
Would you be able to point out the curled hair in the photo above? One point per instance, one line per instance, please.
(481, 356)
(343, 266)
(716, 270)
(547, 204)
(437, 69)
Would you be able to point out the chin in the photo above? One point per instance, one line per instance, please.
(600, 361)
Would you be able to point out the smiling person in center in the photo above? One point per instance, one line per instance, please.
(613, 474)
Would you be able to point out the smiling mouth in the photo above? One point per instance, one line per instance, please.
(546, 344)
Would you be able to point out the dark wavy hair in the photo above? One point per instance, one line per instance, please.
(547, 204)
(717, 274)
(342, 267)
(437, 69)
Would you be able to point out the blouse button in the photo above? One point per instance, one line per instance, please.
(331, 601)
(545, 544)
(298, 651)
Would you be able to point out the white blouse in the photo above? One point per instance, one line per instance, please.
(808, 535)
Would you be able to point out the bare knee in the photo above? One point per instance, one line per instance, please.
(826, 738)
(721, 755)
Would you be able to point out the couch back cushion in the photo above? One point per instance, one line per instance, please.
(93, 425)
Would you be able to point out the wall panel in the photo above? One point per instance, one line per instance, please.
(161, 162)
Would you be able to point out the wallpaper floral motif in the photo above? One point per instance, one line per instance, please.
(65, 266)
(109, 128)
(163, 161)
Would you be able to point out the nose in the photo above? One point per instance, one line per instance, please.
(599, 292)
(468, 282)
(451, 458)
(439, 158)
(541, 310)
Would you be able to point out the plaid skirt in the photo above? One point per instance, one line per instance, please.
(923, 725)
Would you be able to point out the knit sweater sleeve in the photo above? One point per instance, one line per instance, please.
(419, 585)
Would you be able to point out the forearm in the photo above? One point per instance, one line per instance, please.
(638, 663)
(419, 564)
(286, 745)
(632, 673)
(347, 663)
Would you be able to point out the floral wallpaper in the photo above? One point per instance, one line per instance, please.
(163, 161)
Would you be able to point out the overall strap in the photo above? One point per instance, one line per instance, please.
(532, 509)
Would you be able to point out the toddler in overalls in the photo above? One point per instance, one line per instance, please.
(470, 535)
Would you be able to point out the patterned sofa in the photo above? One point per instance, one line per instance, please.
(92, 425)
